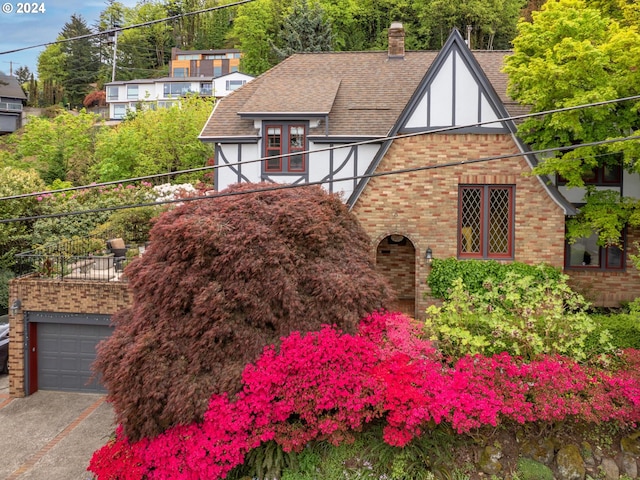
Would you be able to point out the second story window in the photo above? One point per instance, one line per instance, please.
(132, 92)
(609, 174)
(176, 89)
(180, 72)
(112, 93)
(281, 140)
(233, 84)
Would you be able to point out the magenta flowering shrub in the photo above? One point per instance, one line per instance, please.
(327, 385)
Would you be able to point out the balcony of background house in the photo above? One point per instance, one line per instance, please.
(93, 258)
(11, 106)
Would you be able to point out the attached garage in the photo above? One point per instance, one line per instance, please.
(61, 348)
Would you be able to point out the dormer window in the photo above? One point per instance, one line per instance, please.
(286, 142)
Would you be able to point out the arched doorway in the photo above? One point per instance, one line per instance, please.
(396, 260)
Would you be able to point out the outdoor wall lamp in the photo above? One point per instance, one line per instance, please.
(428, 255)
(16, 306)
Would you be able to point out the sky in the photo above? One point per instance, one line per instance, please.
(19, 30)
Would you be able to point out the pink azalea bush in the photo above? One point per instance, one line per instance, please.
(327, 385)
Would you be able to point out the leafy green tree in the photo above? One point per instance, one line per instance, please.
(55, 229)
(60, 148)
(213, 27)
(81, 61)
(570, 55)
(141, 52)
(222, 279)
(305, 29)
(51, 74)
(363, 25)
(154, 141)
(492, 22)
(252, 29)
(16, 236)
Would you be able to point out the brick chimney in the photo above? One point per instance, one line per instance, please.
(396, 40)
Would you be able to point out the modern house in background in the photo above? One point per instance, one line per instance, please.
(163, 92)
(212, 73)
(12, 100)
(422, 149)
(208, 63)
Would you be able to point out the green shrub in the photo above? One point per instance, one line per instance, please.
(624, 329)
(5, 276)
(521, 315)
(531, 470)
(369, 457)
(131, 224)
(474, 273)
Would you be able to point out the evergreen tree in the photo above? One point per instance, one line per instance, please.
(305, 29)
(22, 74)
(33, 94)
(82, 62)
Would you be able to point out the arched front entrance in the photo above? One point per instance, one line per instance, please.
(396, 260)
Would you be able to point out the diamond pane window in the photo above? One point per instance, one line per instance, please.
(471, 220)
(485, 222)
(499, 220)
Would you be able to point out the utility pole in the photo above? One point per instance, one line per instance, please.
(115, 51)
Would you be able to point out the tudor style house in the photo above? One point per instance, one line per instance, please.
(423, 149)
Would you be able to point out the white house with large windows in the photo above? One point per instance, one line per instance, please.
(131, 95)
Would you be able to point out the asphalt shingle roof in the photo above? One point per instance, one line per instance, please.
(10, 87)
(364, 93)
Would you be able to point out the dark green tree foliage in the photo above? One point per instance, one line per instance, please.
(305, 29)
(22, 74)
(81, 61)
(572, 54)
(222, 279)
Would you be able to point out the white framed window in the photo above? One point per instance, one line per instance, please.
(119, 111)
(234, 84)
(112, 93)
(132, 92)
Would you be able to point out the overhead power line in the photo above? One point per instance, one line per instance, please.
(129, 27)
(275, 187)
(336, 147)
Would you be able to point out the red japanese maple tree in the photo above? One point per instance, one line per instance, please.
(223, 278)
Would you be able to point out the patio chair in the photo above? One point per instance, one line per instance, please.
(119, 250)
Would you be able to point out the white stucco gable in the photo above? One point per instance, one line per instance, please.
(455, 93)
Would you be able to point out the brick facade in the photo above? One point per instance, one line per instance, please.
(610, 288)
(39, 295)
(423, 205)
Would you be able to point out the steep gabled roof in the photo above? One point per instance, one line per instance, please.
(372, 91)
(360, 95)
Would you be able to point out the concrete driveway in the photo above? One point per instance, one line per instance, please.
(51, 435)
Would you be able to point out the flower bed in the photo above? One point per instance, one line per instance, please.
(327, 385)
